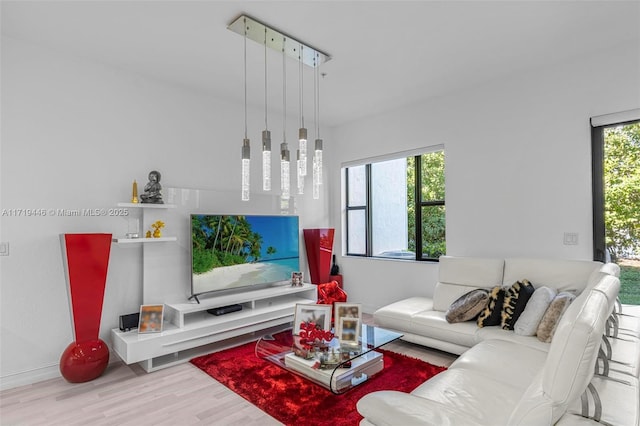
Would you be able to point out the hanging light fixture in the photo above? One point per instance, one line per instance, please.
(285, 167)
(266, 134)
(317, 154)
(246, 144)
(300, 180)
(302, 132)
(304, 54)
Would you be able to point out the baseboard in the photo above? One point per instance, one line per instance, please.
(29, 377)
(37, 375)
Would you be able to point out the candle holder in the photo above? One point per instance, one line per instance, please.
(133, 227)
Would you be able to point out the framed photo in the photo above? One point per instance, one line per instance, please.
(319, 314)
(151, 318)
(296, 279)
(346, 310)
(349, 331)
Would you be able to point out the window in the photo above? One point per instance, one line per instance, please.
(395, 207)
(615, 142)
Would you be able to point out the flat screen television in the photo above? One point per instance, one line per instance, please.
(230, 252)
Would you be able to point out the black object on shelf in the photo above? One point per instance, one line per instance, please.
(129, 321)
(335, 270)
(225, 309)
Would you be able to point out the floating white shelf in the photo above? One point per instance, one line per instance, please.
(125, 240)
(147, 206)
(190, 331)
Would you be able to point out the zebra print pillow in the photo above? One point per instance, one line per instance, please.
(491, 314)
(515, 300)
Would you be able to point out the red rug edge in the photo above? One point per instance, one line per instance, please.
(307, 407)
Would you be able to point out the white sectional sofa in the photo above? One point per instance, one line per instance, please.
(502, 378)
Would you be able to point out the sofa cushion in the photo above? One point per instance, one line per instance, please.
(572, 355)
(552, 316)
(398, 408)
(459, 275)
(469, 391)
(561, 274)
(397, 316)
(515, 300)
(467, 306)
(433, 324)
(491, 315)
(497, 333)
(498, 359)
(527, 324)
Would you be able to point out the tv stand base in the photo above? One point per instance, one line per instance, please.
(190, 331)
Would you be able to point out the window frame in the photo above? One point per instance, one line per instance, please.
(419, 203)
(598, 126)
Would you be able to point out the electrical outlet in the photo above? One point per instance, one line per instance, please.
(4, 248)
(570, 238)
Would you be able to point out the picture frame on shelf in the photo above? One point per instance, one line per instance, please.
(296, 279)
(316, 313)
(151, 318)
(349, 332)
(346, 310)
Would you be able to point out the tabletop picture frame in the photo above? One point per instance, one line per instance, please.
(346, 310)
(151, 319)
(349, 335)
(318, 313)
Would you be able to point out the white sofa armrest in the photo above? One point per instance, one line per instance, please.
(397, 408)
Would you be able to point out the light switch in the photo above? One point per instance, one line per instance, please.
(570, 238)
(4, 248)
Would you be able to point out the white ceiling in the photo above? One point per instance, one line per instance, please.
(385, 54)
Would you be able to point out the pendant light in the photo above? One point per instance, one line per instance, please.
(246, 144)
(302, 132)
(285, 169)
(266, 134)
(317, 154)
(307, 55)
(300, 178)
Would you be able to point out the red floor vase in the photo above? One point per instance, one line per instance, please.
(86, 260)
(319, 245)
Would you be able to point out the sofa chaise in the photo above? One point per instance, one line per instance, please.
(505, 378)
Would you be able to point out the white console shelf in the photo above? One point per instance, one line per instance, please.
(120, 240)
(189, 330)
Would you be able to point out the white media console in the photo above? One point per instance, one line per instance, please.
(189, 330)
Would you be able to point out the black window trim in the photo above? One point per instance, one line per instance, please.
(597, 187)
(418, 205)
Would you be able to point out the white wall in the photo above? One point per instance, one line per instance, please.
(518, 165)
(74, 135)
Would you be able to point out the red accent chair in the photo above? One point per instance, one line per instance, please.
(329, 293)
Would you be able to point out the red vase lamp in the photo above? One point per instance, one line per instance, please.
(319, 244)
(86, 259)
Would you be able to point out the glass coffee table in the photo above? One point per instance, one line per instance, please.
(335, 367)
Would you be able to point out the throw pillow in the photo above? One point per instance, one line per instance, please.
(491, 314)
(552, 316)
(467, 306)
(527, 324)
(515, 300)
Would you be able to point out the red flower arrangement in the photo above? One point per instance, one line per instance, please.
(312, 334)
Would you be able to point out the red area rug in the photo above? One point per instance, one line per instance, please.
(293, 400)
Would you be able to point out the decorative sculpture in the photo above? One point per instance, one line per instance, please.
(134, 193)
(86, 260)
(157, 226)
(152, 189)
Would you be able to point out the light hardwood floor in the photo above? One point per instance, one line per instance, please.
(127, 395)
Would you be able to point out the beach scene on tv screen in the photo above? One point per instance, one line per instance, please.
(236, 251)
